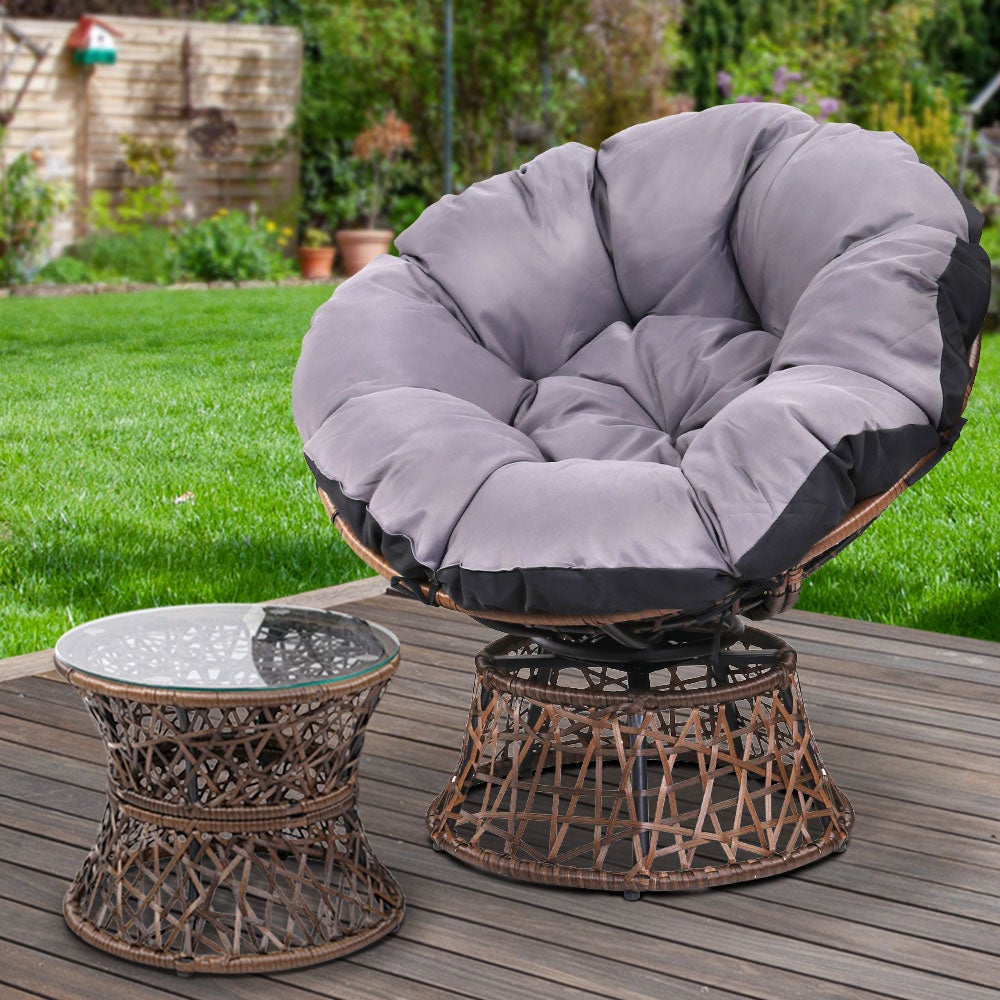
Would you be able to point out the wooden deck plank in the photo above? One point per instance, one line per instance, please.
(45, 861)
(413, 716)
(909, 726)
(349, 979)
(859, 627)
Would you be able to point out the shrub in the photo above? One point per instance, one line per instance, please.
(314, 237)
(149, 198)
(66, 271)
(28, 204)
(229, 247)
(930, 131)
(145, 255)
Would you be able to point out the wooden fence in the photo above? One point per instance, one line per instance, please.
(168, 78)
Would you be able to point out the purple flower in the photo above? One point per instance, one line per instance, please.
(724, 82)
(782, 78)
(827, 106)
(747, 99)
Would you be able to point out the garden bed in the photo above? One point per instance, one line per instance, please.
(45, 291)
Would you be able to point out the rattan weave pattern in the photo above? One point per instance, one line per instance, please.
(242, 755)
(547, 787)
(193, 900)
(231, 842)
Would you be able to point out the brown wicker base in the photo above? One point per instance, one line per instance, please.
(231, 842)
(610, 777)
(232, 902)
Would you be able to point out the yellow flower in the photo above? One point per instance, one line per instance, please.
(221, 213)
(270, 226)
(282, 241)
(286, 230)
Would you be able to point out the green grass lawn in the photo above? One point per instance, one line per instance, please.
(115, 405)
(932, 560)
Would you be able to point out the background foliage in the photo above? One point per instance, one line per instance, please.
(532, 73)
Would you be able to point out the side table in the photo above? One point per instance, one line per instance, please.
(231, 841)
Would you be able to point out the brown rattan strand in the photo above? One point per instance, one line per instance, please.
(223, 698)
(222, 964)
(633, 797)
(229, 819)
(776, 677)
(782, 596)
(708, 877)
(231, 842)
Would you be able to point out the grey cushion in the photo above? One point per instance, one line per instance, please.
(646, 376)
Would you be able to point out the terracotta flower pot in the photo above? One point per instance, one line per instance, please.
(361, 246)
(316, 262)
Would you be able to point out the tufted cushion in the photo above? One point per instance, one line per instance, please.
(646, 376)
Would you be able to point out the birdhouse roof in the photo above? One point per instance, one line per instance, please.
(78, 37)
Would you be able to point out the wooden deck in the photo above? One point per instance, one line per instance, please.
(909, 723)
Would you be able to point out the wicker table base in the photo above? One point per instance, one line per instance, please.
(231, 842)
(631, 779)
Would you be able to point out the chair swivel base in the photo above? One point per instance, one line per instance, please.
(638, 777)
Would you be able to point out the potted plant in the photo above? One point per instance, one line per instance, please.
(316, 254)
(377, 152)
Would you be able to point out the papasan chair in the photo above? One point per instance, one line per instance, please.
(613, 405)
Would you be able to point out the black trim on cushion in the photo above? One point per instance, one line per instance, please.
(535, 590)
(396, 549)
(973, 216)
(861, 465)
(975, 219)
(557, 590)
(947, 443)
(962, 300)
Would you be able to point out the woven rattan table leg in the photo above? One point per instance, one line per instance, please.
(226, 901)
(669, 781)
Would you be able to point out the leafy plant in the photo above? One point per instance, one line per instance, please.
(377, 151)
(532, 73)
(847, 59)
(149, 197)
(931, 131)
(632, 53)
(314, 237)
(28, 205)
(404, 211)
(145, 255)
(66, 270)
(229, 247)
(770, 73)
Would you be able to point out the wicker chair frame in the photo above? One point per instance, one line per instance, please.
(674, 781)
(749, 739)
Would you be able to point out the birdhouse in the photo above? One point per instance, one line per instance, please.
(93, 41)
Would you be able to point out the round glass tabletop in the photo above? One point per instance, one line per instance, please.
(245, 647)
